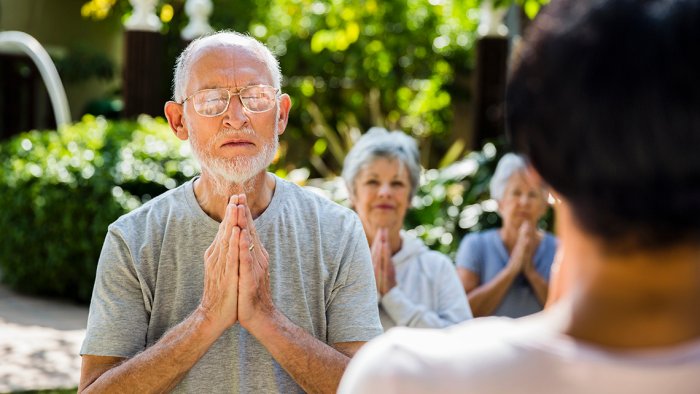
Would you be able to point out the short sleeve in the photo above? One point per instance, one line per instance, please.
(469, 254)
(118, 319)
(353, 312)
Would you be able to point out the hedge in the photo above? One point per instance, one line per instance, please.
(59, 190)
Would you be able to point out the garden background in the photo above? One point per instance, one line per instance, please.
(406, 65)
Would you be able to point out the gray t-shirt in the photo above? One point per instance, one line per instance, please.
(150, 278)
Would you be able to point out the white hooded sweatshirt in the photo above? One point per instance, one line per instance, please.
(428, 293)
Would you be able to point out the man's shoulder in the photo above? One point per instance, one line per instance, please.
(328, 211)
(156, 209)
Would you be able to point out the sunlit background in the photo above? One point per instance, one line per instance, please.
(434, 69)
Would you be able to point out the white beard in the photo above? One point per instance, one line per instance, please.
(227, 173)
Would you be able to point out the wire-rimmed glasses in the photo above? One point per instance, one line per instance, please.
(214, 102)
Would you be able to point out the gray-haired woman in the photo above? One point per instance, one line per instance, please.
(417, 287)
(505, 271)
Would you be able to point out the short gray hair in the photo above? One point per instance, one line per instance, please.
(223, 38)
(509, 164)
(380, 143)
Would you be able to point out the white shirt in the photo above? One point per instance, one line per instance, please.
(503, 355)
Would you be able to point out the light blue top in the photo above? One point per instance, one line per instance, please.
(485, 254)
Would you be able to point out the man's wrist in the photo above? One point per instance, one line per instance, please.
(203, 321)
(266, 322)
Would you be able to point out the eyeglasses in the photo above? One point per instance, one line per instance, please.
(214, 102)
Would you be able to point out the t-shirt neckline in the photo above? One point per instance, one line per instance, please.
(275, 202)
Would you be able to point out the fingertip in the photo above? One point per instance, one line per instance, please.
(241, 214)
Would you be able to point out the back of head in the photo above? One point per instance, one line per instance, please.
(604, 100)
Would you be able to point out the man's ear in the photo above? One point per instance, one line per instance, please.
(174, 112)
(285, 106)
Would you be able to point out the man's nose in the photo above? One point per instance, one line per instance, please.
(235, 116)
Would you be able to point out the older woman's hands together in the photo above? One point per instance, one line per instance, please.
(522, 257)
(384, 273)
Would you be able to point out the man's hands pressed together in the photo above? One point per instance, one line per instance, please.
(237, 278)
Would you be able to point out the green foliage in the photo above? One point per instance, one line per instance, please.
(352, 65)
(82, 62)
(455, 200)
(381, 63)
(61, 189)
(348, 66)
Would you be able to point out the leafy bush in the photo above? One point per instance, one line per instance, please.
(60, 190)
(455, 200)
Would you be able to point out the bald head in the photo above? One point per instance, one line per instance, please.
(224, 39)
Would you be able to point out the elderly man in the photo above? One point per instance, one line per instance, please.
(237, 280)
(603, 100)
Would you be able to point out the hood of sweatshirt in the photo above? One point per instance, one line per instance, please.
(411, 247)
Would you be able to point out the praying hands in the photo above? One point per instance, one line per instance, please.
(236, 278)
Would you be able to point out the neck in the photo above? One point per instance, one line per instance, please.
(213, 195)
(640, 299)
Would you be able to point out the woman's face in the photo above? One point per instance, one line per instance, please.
(522, 200)
(381, 194)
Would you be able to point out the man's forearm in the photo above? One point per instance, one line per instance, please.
(161, 367)
(314, 365)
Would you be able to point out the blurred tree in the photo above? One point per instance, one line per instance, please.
(350, 65)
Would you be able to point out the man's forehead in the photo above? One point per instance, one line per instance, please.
(229, 60)
(232, 54)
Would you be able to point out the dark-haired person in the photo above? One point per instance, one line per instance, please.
(604, 101)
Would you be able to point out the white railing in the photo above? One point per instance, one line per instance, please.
(30, 46)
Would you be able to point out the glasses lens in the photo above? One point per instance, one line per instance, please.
(258, 98)
(210, 102)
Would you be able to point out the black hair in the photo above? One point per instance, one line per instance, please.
(604, 101)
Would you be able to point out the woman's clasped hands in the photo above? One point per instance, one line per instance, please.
(384, 273)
